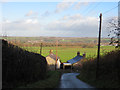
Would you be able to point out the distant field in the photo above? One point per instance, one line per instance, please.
(61, 39)
(66, 53)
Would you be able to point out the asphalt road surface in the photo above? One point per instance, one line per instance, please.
(69, 80)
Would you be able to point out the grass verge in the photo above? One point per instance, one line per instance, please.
(109, 71)
(51, 81)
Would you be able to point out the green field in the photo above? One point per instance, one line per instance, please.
(66, 53)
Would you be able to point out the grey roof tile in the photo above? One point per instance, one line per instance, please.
(75, 59)
(53, 56)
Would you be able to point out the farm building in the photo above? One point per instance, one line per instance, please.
(51, 61)
(74, 61)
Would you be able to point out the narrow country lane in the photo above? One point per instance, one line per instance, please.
(69, 80)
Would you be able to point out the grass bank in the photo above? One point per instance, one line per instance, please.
(109, 71)
(51, 81)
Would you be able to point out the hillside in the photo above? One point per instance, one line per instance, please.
(109, 71)
(53, 39)
(20, 67)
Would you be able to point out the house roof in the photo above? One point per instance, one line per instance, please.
(53, 56)
(75, 59)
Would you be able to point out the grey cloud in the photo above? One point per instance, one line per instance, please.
(69, 26)
(79, 26)
(28, 24)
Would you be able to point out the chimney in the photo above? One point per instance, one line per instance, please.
(84, 55)
(51, 51)
(78, 53)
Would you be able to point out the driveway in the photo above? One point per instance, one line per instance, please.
(69, 80)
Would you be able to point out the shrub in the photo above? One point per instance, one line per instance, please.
(109, 71)
(20, 66)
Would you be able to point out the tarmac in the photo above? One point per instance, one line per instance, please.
(69, 80)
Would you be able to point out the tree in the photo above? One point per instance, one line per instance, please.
(114, 27)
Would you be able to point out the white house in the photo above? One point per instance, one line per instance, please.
(51, 61)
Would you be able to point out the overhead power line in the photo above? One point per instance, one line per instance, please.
(111, 9)
(94, 7)
(89, 9)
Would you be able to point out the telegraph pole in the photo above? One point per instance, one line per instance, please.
(41, 49)
(56, 54)
(98, 54)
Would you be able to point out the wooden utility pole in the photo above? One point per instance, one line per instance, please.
(98, 54)
(56, 54)
(41, 49)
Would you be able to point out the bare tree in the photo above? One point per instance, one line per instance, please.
(114, 27)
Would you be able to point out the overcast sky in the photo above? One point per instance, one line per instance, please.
(60, 19)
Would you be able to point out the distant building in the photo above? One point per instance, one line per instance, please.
(74, 61)
(51, 61)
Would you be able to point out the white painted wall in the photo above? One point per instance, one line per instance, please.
(58, 64)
